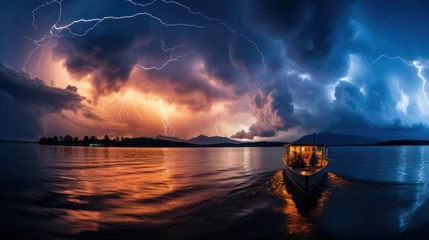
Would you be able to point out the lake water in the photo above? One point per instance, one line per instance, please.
(54, 192)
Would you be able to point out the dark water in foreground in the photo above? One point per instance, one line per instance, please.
(50, 192)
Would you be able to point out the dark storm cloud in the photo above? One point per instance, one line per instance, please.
(35, 92)
(230, 61)
(86, 112)
(285, 102)
(181, 85)
(353, 110)
(348, 95)
(26, 101)
(290, 102)
(272, 106)
(107, 56)
(314, 34)
(371, 114)
(310, 31)
(71, 88)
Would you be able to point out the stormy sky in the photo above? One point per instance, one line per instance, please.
(247, 69)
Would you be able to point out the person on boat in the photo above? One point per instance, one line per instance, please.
(314, 159)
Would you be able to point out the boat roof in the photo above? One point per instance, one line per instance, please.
(306, 144)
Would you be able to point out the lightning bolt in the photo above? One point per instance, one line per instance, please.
(123, 108)
(138, 113)
(171, 50)
(223, 132)
(97, 21)
(217, 133)
(45, 40)
(419, 67)
(214, 20)
(169, 129)
(109, 102)
(414, 63)
(41, 6)
(56, 31)
(65, 30)
(172, 59)
(141, 4)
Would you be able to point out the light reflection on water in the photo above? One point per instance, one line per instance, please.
(62, 192)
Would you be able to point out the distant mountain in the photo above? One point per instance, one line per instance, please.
(172, 139)
(329, 138)
(244, 144)
(205, 140)
(200, 140)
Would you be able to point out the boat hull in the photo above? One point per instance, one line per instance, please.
(305, 182)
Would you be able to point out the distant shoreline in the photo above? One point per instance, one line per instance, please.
(160, 143)
(146, 142)
(231, 145)
(207, 146)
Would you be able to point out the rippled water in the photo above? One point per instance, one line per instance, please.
(50, 192)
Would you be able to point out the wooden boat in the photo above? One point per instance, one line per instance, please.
(305, 164)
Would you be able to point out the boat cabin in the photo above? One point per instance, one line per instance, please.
(305, 163)
(300, 156)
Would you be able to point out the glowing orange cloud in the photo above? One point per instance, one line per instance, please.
(146, 108)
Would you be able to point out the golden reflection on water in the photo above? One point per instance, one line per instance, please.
(336, 181)
(83, 220)
(300, 210)
(136, 185)
(108, 186)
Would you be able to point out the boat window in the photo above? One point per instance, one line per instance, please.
(299, 156)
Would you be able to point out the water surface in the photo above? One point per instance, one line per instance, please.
(55, 192)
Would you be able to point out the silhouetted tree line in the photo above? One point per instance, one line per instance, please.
(107, 142)
(139, 142)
